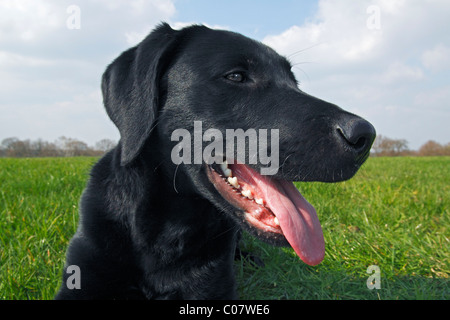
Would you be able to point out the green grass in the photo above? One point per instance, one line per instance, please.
(394, 214)
(38, 215)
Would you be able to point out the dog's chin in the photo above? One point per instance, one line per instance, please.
(318, 172)
(270, 208)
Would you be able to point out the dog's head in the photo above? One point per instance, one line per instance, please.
(233, 126)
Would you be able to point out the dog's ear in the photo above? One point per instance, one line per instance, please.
(130, 88)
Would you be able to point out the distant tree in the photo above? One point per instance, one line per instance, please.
(77, 148)
(105, 145)
(7, 146)
(69, 147)
(384, 146)
(16, 148)
(42, 148)
(8, 141)
(447, 149)
(432, 148)
(62, 147)
(72, 147)
(61, 144)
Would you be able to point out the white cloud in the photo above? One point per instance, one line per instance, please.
(27, 20)
(79, 116)
(11, 60)
(37, 24)
(435, 97)
(340, 33)
(48, 71)
(134, 37)
(399, 72)
(338, 55)
(437, 58)
(337, 34)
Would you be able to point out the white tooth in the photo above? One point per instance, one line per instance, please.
(233, 181)
(227, 172)
(275, 220)
(259, 201)
(247, 193)
(224, 166)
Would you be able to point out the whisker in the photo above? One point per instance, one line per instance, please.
(303, 50)
(303, 62)
(174, 179)
(303, 71)
(282, 165)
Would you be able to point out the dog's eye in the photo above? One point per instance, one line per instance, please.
(236, 77)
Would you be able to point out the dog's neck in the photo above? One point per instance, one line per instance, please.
(159, 199)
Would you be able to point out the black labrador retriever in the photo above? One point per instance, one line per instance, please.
(153, 226)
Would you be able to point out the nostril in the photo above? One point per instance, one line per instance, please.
(361, 143)
(358, 133)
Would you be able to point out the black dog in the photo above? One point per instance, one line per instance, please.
(152, 228)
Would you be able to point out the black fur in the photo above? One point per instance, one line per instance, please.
(150, 229)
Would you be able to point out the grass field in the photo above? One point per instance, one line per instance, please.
(394, 214)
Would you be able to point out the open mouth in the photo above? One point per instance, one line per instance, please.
(272, 206)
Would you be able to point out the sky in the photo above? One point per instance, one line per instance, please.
(386, 60)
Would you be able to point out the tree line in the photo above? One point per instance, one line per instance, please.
(69, 147)
(387, 147)
(62, 147)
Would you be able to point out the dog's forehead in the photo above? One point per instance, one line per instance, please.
(219, 46)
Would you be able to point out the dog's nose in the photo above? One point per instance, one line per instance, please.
(358, 134)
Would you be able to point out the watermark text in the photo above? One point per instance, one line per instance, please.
(245, 147)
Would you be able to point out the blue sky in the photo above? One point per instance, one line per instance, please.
(386, 60)
(255, 19)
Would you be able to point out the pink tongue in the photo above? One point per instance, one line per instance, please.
(298, 218)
